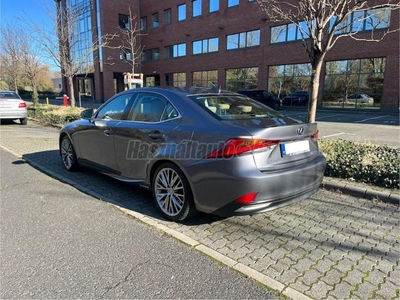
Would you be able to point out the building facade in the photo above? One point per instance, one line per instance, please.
(232, 44)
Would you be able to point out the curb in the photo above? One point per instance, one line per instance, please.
(361, 191)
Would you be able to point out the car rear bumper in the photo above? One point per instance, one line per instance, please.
(14, 114)
(217, 193)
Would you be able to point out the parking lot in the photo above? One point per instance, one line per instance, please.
(364, 127)
(331, 245)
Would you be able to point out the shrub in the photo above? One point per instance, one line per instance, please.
(54, 114)
(375, 164)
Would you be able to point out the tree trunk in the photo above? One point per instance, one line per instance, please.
(315, 79)
(71, 91)
(35, 96)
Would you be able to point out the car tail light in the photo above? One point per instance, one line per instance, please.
(238, 146)
(22, 105)
(246, 199)
(315, 135)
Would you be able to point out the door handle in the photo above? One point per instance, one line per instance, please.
(155, 135)
(108, 131)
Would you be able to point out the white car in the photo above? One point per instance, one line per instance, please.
(13, 107)
(358, 98)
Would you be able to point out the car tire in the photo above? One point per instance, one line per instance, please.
(172, 193)
(68, 155)
(23, 121)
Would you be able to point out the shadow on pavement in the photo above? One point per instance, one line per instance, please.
(126, 195)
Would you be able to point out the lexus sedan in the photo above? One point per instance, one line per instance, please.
(198, 150)
(12, 107)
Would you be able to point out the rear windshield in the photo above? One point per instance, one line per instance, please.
(9, 95)
(234, 107)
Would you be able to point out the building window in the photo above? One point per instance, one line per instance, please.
(175, 79)
(196, 8)
(155, 22)
(125, 54)
(167, 17)
(143, 23)
(205, 78)
(345, 78)
(205, 46)
(182, 12)
(151, 55)
(366, 20)
(241, 78)
(177, 50)
(243, 40)
(285, 79)
(233, 3)
(123, 21)
(290, 32)
(213, 5)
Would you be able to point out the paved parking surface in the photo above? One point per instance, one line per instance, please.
(330, 246)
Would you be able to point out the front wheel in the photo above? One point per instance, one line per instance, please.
(172, 193)
(68, 155)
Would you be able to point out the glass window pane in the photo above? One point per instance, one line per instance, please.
(291, 35)
(214, 5)
(232, 41)
(278, 34)
(233, 3)
(377, 18)
(196, 8)
(253, 38)
(242, 40)
(182, 12)
(213, 45)
(197, 46)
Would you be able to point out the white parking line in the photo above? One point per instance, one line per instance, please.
(361, 121)
(331, 135)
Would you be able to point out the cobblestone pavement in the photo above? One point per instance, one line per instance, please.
(330, 246)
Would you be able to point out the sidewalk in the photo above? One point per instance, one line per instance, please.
(334, 245)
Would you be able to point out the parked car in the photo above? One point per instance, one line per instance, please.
(298, 98)
(12, 107)
(216, 152)
(358, 98)
(264, 97)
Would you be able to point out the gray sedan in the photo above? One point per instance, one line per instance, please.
(198, 150)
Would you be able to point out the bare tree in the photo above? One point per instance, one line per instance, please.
(322, 23)
(10, 54)
(72, 52)
(31, 63)
(130, 46)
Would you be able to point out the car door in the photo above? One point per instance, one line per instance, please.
(147, 129)
(97, 141)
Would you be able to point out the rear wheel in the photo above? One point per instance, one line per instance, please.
(68, 155)
(24, 121)
(172, 193)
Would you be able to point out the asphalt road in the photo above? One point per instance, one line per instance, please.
(57, 242)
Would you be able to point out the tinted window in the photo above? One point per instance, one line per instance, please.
(152, 108)
(116, 109)
(232, 107)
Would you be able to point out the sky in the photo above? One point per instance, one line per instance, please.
(36, 10)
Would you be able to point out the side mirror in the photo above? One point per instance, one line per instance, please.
(87, 113)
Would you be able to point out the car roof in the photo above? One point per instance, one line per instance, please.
(186, 90)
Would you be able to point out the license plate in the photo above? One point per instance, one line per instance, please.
(295, 148)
